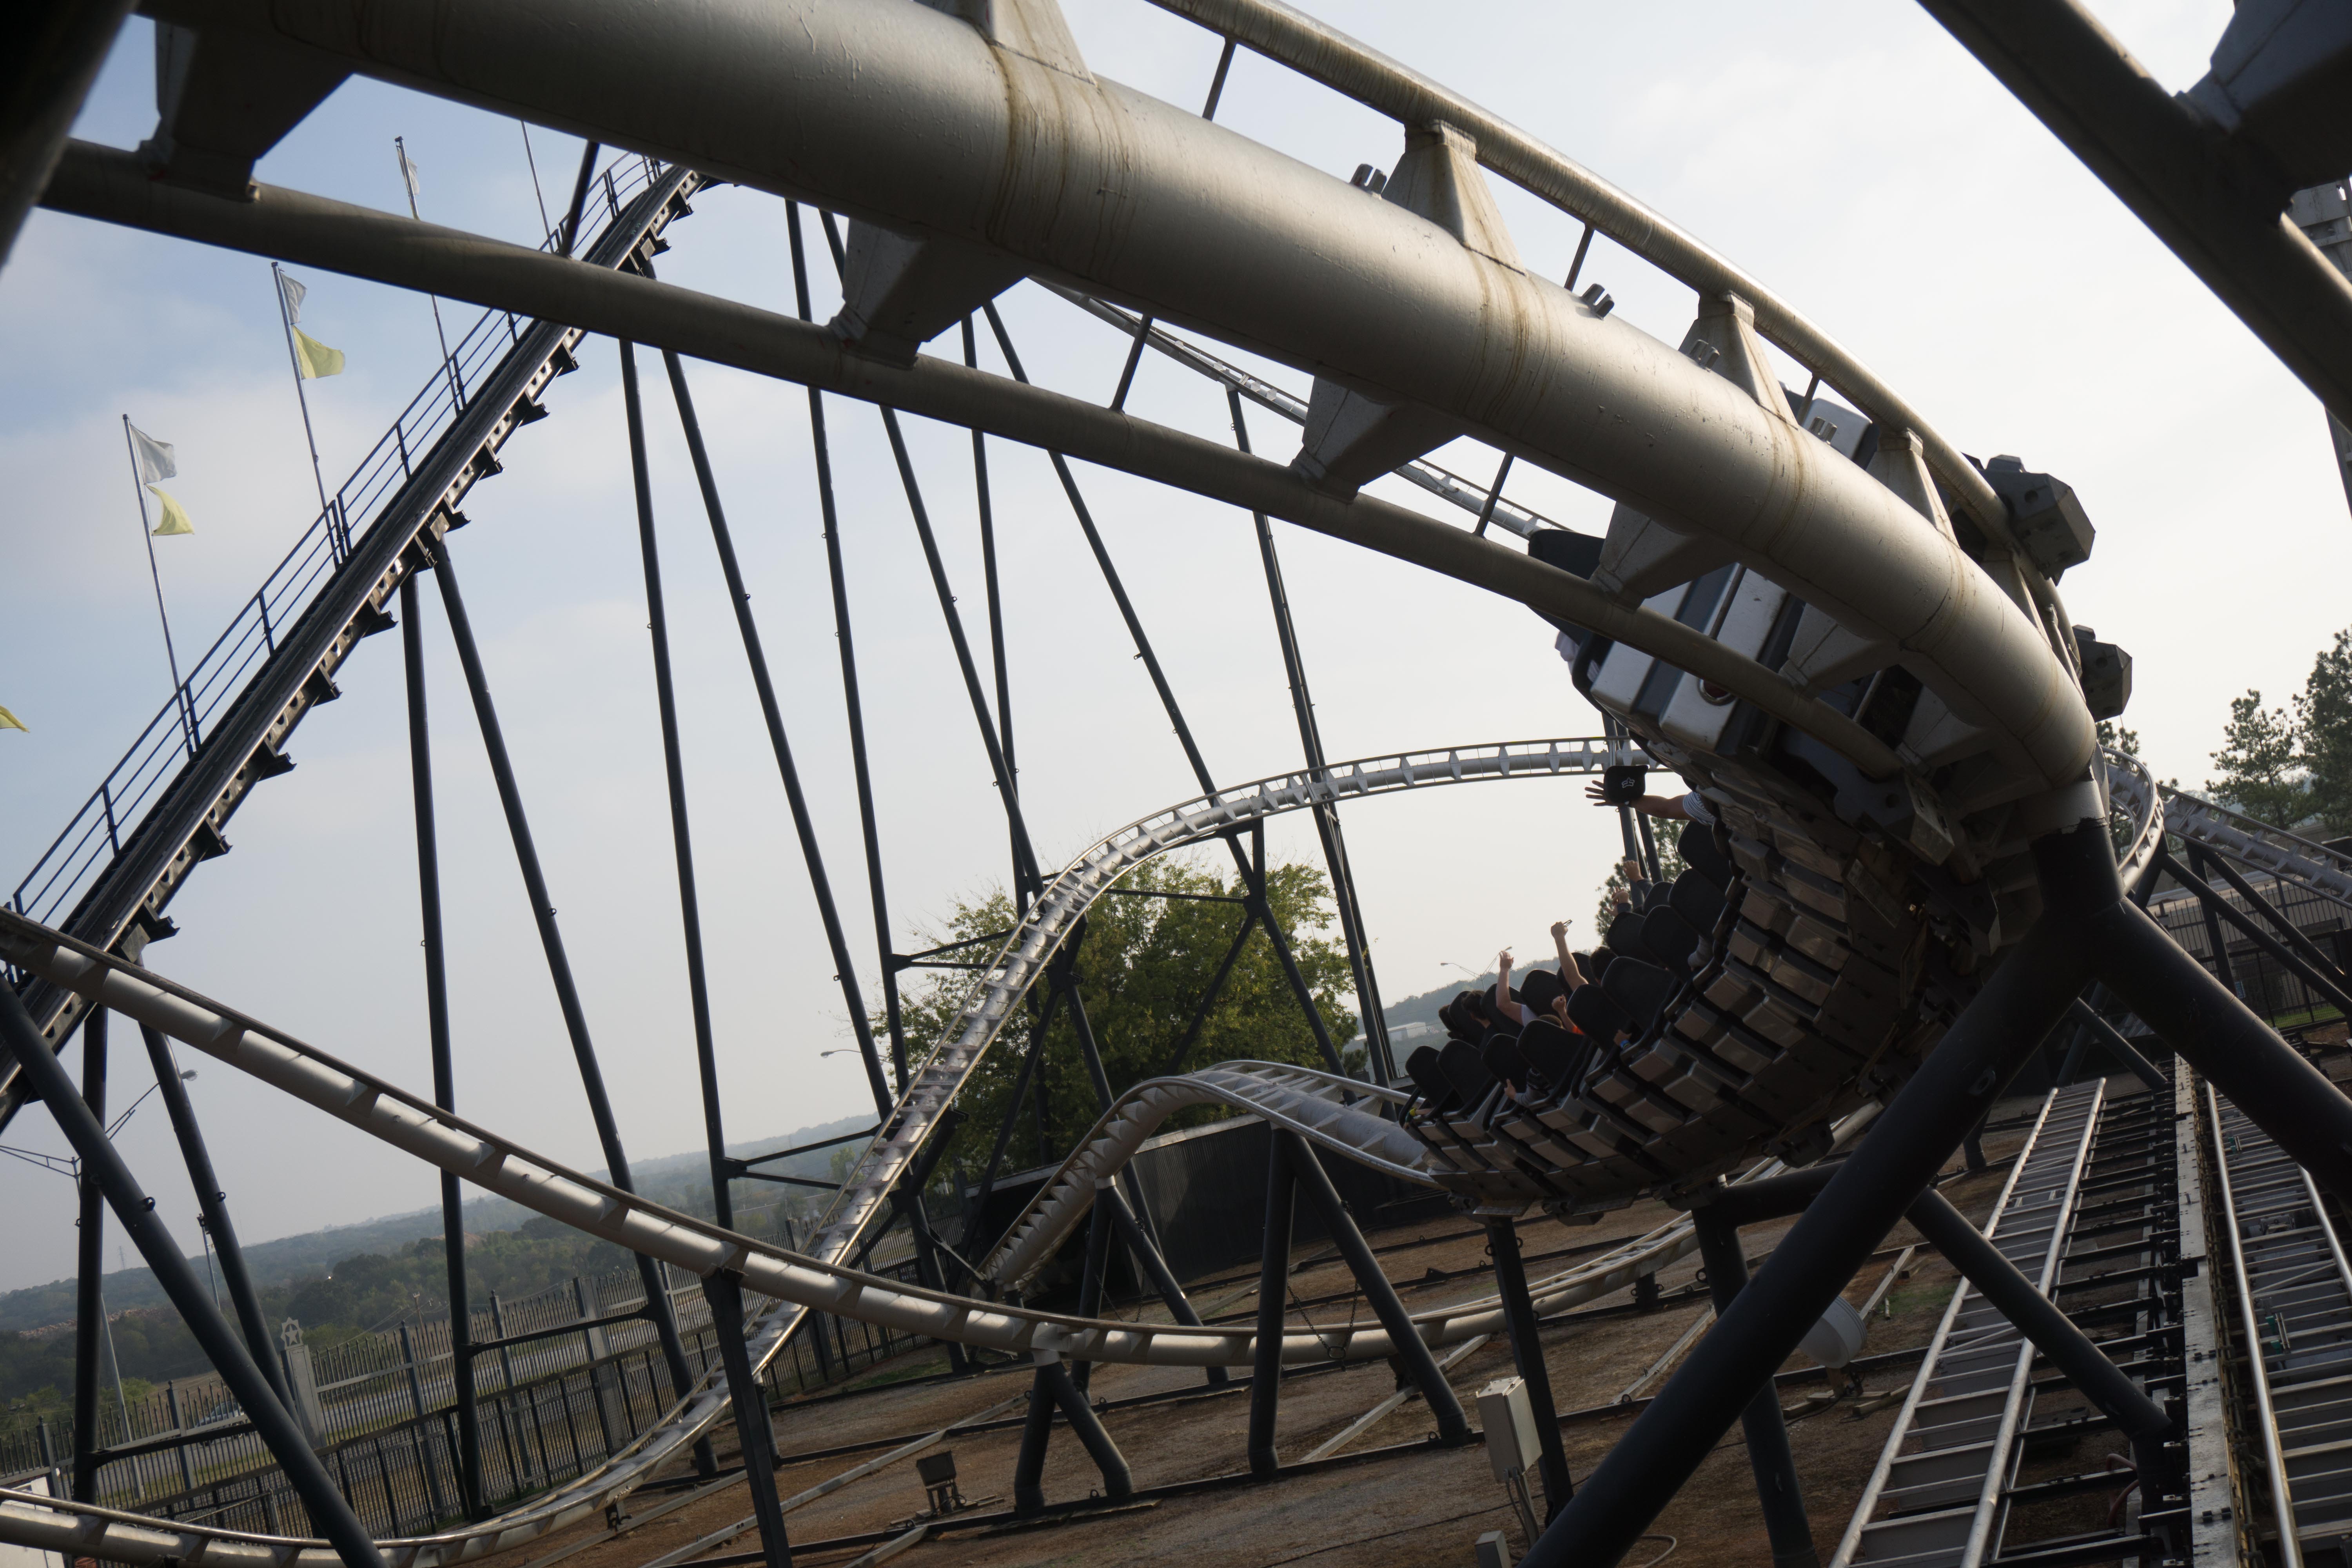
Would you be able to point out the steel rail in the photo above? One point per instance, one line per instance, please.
(698, 1247)
(2286, 856)
(96, 183)
(1322, 53)
(245, 744)
(919, 123)
(2274, 1456)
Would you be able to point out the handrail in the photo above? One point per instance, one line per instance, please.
(107, 818)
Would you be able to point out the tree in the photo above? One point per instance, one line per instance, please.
(2324, 720)
(1142, 966)
(2260, 750)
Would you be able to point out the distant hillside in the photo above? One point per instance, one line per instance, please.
(679, 1180)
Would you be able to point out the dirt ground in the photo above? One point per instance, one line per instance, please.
(1424, 1505)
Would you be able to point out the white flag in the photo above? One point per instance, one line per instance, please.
(408, 172)
(154, 458)
(293, 293)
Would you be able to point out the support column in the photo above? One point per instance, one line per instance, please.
(724, 1292)
(444, 1076)
(1994, 1037)
(1526, 1354)
(719, 1288)
(1453, 1430)
(1092, 1284)
(1379, 1055)
(558, 968)
(103, 1167)
(212, 1203)
(89, 1302)
(1155, 1266)
(1053, 1387)
(1273, 1296)
(1778, 1490)
(1036, 1431)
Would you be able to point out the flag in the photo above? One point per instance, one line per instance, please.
(156, 461)
(312, 358)
(408, 171)
(10, 721)
(154, 458)
(176, 516)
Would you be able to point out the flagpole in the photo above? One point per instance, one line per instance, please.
(294, 362)
(408, 182)
(155, 575)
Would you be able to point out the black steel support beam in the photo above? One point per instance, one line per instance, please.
(101, 1166)
(853, 704)
(57, 49)
(2218, 208)
(985, 502)
(755, 654)
(212, 1203)
(1778, 1490)
(1994, 1037)
(1412, 1350)
(722, 1290)
(558, 965)
(1155, 1266)
(436, 1022)
(2121, 1049)
(1176, 720)
(1527, 1355)
(1053, 1387)
(89, 1251)
(1182, 1049)
(1379, 1055)
(2289, 932)
(2190, 877)
(1273, 1294)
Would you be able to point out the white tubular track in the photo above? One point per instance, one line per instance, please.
(2284, 855)
(2133, 791)
(999, 989)
(819, 1280)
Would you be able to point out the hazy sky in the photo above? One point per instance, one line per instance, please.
(1846, 151)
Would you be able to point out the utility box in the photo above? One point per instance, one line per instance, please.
(1493, 1552)
(1509, 1417)
(2050, 523)
(2106, 674)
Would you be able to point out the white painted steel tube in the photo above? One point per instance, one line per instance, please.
(910, 118)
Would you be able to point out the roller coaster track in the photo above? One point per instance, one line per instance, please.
(1841, 640)
(111, 873)
(800, 1281)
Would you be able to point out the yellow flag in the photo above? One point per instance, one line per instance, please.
(10, 721)
(176, 516)
(315, 358)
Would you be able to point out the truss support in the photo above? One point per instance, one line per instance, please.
(559, 968)
(1527, 1354)
(1994, 1037)
(1778, 1490)
(89, 1305)
(2192, 878)
(103, 1168)
(1054, 1388)
(444, 1077)
(1155, 1268)
(1273, 1296)
(720, 1288)
(804, 827)
(1453, 1430)
(212, 1203)
(724, 1291)
(1380, 1054)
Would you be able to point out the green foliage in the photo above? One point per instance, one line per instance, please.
(2323, 721)
(2258, 762)
(2124, 741)
(1143, 965)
